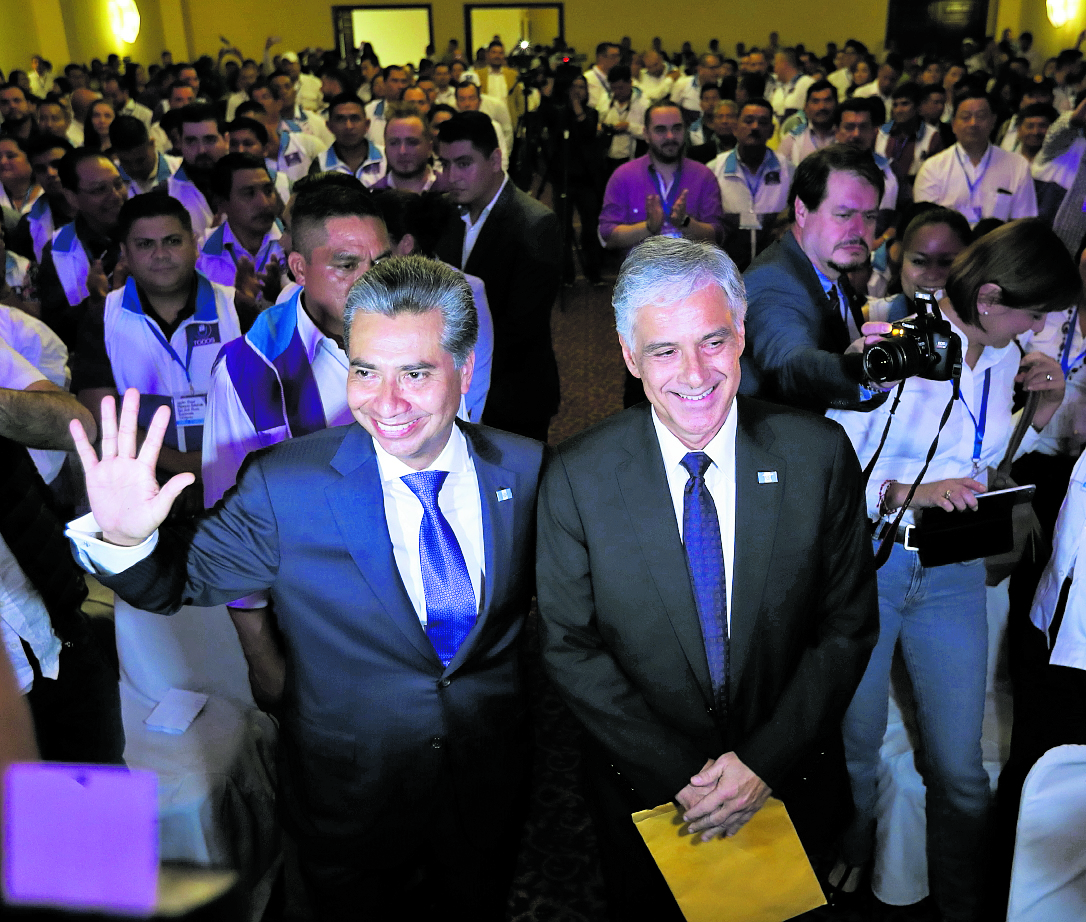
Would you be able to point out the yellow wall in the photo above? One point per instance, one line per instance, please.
(192, 27)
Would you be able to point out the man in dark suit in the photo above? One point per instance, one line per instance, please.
(399, 591)
(511, 242)
(710, 644)
(803, 314)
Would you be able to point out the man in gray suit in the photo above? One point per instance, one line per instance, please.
(706, 584)
(397, 554)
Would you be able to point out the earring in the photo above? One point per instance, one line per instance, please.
(985, 313)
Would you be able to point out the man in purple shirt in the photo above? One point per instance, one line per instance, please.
(662, 193)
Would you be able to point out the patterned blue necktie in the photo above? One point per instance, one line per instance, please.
(701, 537)
(451, 608)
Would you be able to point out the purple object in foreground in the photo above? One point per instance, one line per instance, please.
(80, 837)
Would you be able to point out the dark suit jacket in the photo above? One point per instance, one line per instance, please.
(795, 342)
(620, 631)
(370, 717)
(518, 259)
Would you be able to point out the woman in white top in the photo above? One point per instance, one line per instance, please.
(998, 288)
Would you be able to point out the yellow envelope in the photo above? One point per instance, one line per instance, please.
(761, 874)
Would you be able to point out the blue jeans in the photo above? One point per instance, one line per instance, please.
(939, 615)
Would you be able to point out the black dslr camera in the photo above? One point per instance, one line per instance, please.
(923, 345)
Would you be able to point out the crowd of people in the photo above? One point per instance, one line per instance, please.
(254, 252)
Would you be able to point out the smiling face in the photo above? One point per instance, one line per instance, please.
(687, 356)
(927, 258)
(403, 387)
(838, 234)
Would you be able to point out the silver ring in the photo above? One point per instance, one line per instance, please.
(946, 495)
(1048, 377)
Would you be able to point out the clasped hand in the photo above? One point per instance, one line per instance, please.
(124, 494)
(722, 797)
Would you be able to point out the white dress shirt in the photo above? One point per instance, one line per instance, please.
(917, 421)
(460, 503)
(1000, 186)
(719, 478)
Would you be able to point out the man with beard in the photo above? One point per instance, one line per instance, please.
(247, 242)
(202, 146)
(15, 112)
(51, 209)
(408, 147)
(753, 185)
(817, 130)
(77, 264)
(352, 152)
(662, 192)
(802, 312)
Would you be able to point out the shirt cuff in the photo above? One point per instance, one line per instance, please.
(100, 557)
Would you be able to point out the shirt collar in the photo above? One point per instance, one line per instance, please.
(466, 214)
(312, 338)
(721, 448)
(454, 458)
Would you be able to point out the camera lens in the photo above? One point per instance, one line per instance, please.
(892, 361)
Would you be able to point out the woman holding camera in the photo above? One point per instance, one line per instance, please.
(998, 288)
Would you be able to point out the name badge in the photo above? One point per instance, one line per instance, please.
(191, 410)
(748, 220)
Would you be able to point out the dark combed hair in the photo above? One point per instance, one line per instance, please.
(222, 174)
(201, 112)
(155, 204)
(817, 87)
(322, 196)
(343, 99)
(1025, 259)
(813, 174)
(39, 144)
(243, 123)
(127, 133)
(475, 127)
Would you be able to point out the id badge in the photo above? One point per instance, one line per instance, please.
(190, 411)
(748, 220)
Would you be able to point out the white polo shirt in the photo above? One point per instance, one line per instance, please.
(999, 186)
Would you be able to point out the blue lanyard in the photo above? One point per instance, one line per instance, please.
(165, 343)
(675, 190)
(757, 179)
(1066, 363)
(978, 439)
(985, 160)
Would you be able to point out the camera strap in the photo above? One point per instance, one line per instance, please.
(889, 532)
(885, 432)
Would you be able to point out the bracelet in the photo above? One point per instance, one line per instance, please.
(882, 496)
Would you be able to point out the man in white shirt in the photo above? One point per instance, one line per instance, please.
(842, 77)
(352, 151)
(734, 675)
(608, 55)
(816, 130)
(138, 160)
(468, 99)
(247, 241)
(446, 92)
(622, 118)
(293, 117)
(396, 81)
(974, 176)
(397, 552)
(307, 87)
(114, 89)
(791, 93)
(66, 680)
(687, 90)
(409, 149)
(203, 144)
(883, 85)
(657, 78)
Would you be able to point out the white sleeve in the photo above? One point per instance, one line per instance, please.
(33, 352)
(1024, 199)
(229, 436)
(97, 556)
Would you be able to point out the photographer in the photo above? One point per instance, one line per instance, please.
(999, 288)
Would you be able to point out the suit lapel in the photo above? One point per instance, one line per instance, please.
(358, 505)
(498, 531)
(757, 512)
(835, 336)
(643, 484)
(490, 237)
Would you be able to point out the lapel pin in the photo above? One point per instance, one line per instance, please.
(767, 476)
(503, 495)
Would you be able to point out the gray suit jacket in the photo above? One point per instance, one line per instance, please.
(620, 631)
(370, 717)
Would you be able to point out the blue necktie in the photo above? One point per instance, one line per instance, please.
(451, 608)
(701, 537)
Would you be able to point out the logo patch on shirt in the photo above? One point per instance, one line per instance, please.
(773, 178)
(203, 334)
(293, 158)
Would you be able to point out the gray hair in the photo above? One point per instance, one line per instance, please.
(665, 270)
(416, 285)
